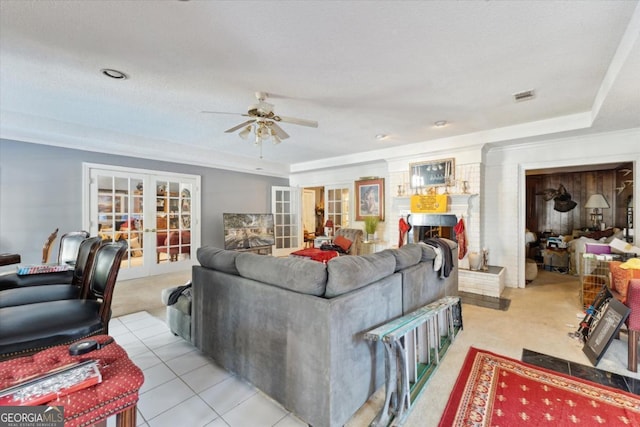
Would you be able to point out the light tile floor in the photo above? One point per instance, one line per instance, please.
(183, 387)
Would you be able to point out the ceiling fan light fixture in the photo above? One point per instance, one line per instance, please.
(263, 123)
(244, 133)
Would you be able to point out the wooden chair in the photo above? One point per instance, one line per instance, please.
(48, 244)
(30, 328)
(69, 246)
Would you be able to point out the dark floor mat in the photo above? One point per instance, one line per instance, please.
(484, 301)
(584, 372)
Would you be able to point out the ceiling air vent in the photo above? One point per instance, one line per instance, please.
(524, 95)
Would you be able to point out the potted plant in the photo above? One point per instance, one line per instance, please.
(370, 226)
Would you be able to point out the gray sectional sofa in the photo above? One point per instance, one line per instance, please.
(293, 327)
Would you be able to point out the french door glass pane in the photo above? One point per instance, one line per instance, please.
(286, 218)
(173, 220)
(120, 214)
(338, 207)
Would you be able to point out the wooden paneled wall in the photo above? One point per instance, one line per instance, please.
(541, 216)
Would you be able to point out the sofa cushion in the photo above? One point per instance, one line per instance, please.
(407, 256)
(343, 242)
(347, 273)
(218, 259)
(295, 274)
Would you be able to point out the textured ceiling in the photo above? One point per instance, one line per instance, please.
(358, 68)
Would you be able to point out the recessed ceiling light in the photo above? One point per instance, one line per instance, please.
(114, 74)
(381, 136)
(440, 123)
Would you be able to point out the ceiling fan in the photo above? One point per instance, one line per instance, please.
(263, 121)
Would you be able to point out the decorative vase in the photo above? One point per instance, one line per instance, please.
(475, 261)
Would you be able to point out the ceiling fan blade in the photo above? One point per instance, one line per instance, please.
(279, 131)
(226, 112)
(302, 122)
(241, 125)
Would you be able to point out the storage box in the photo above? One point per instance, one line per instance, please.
(624, 247)
(556, 260)
(597, 248)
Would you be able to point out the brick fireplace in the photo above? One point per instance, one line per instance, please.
(460, 206)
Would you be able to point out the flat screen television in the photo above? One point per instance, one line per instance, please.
(245, 230)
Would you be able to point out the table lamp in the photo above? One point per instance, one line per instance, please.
(329, 225)
(596, 202)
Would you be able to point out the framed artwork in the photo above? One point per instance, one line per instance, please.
(432, 174)
(105, 203)
(607, 324)
(370, 198)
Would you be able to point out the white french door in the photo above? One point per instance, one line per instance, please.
(337, 206)
(287, 219)
(155, 213)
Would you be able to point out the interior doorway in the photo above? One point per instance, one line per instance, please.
(548, 210)
(313, 210)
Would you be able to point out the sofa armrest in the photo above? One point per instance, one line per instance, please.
(166, 293)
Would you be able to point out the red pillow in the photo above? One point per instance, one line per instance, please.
(343, 242)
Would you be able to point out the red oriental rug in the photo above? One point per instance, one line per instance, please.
(494, 390)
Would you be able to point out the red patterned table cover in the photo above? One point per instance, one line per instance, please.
(118, 391)
(315, 254)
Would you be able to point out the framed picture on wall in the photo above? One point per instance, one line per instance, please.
(370, 198)
(434, 173)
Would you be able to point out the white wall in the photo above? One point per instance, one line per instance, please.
(497, 174)
(395, 171)
(503, 219)
(41, 190)
(345, 177)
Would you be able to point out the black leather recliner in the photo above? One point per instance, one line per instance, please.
(69, 246)
(29, 328)
(58, 289)
(67, 254)
(13, 280)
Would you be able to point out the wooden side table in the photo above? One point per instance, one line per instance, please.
(8, 259)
